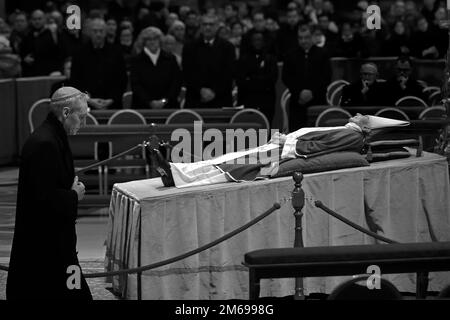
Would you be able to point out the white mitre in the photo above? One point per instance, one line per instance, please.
(380, 123)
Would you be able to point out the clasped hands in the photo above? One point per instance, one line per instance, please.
(278, 138)
(79, 188)
(98, 103)
(206, 95)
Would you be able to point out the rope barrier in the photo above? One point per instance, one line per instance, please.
(140, 145)
(320, 205)
(227, 236)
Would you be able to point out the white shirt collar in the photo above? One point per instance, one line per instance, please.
(153, 56)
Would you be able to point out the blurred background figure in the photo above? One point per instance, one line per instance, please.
(126, 45)
(367, 91)
(169, 44)
(155, 75)
(40, 50)
(99, 69)
(19, 31)
(111, 30)
(257, 73)
(208, 65)
(398, 42)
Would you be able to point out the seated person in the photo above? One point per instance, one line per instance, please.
(403, 83)
(367, 91)
(305, 143)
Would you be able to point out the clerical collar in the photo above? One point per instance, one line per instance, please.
(153, 56)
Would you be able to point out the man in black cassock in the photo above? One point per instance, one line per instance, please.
(44, 243)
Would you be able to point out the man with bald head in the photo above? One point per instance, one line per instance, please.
(367, 91)
(40, 50)
(99, 68)
(44, 243)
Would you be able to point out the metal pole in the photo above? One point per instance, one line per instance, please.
(298, 202)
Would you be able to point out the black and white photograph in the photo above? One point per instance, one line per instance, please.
(225, 158)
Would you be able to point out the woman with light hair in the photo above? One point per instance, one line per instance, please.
(155, 74)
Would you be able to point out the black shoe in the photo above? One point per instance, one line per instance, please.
(162, 166)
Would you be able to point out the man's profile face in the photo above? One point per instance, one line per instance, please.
(305, 39)
(209, 27)
(76, 118)
(368, 74)
(362, 121)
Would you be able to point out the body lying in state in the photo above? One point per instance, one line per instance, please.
(304, 143)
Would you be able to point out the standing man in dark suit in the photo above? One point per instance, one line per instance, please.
(208, 68)
(43, 254)
(155, 74)
(306, 73)
(99, 68)
(256, 76)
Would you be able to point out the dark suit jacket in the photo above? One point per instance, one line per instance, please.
(256, 78)
(44, 243)
(312, 72)
(395, 92)
(376, 96)
(101, 72)
(48, 55)
(209, 67)
(150, 82)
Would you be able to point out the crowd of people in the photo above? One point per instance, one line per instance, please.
(158, 48)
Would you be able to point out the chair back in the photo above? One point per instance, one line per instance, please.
(91, 120)
(184, 116)
(127, 99)
(333, 116)
(127, 116)
(251, 115)
(410, 101)
(435, 98)
(38, 113)
(436, 112)
(335, 99)
(392, 113)
(284, 110)
(358, 289)
(332, 88)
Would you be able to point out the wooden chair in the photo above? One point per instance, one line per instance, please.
(284, 109)
(251, 115)
(332, 87)
(184, 116)
(91, 120)
(38, 113)
(435, 98)
(410, 101)
(127, 99)
(333, 116)
(336, 97)
(126, 166)
(127, 116)
(392, 113)
(436, 112)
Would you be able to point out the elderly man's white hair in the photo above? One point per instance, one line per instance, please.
(67, 97)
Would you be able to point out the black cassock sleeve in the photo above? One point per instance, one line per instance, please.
(44, 180)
